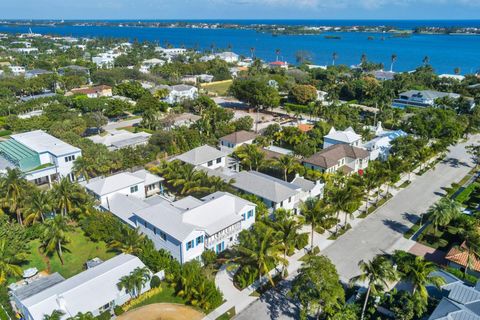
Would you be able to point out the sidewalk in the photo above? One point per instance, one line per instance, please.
(241, 299)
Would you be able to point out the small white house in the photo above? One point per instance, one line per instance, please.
(150, 63)
(94, 290)
(17, 70)
(347, 136)
(119, 139)
(181, 93)
(237, 139)
(204, 156)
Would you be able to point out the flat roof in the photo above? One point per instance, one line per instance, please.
(42, 142)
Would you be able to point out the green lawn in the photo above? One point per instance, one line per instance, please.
(220, 87)
(3, 314)
(167, 295)
(444, 238)
(79, 250)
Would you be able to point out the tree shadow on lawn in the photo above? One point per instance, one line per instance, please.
(396, 226)
(278, 303)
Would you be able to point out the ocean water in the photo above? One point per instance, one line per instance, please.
(446, 52)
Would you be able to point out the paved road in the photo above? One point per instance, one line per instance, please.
(379, 232)
(121, 124)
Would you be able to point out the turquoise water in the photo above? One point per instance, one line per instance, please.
(446, 52)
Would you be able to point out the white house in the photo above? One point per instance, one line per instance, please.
(423, 98)
(117, 192)
(188, 227)
(40, 156)
(17, 70)
(236, 139)
(276, 193)
(204, 156)
(150, 63)
(181, 93)
(118, 139)
(227, 56)
(348, 136)
(106, 59)
(94, 290)
(379, 147)
(342, 157)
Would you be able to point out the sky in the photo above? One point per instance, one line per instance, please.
(240, 9)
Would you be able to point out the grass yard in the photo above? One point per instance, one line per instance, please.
(167, 295)
(79, 250)
(443, 238)
(219, 87)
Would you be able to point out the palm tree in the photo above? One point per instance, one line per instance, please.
(66, 196)
(442, 212)
(250, 156)
(13, 188)
(363, 59)
(314, 211)
(377, 273)
(334, 58)
(277, 53)
(418, 272)
(262, 250)
(55, 235)
(135, 281)
(393, 60)
(82, 168)
(9, 262)
(344, 200)
(131, 242)
(369, 182)
(55, 315)
(252, 52)
(288, 164)
(39, 204)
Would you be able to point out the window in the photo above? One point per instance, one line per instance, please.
(243, 216)
(219, 160)
(199, 240)
(281, 203)
(250, 214)
(209, 163)
(289, 199)
(163, 235)
(69, 158)
(190, 245)
(133, 189)
(154, 230)
(145, 224)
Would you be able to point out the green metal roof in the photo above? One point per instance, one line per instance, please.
(21, 156)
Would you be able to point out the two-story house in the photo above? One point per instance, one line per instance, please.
(41, 157)
(423, 98)
(188, 227)
(204, 156)
(236, 139)
(347, 136)
(342, 157)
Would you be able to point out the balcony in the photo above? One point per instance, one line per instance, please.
(223, 234)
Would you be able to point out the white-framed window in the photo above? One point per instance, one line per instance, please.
(133, 189)
(209, 163)
(199, 240)
(190, 245)
(69, 158)
(250, 214)
(219, 160)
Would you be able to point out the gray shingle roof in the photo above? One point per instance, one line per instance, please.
(201, 155)
(329, 157)
(38, 286)
(239, 137)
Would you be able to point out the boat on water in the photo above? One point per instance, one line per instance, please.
(333, 37)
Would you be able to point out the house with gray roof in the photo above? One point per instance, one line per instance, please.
(237, 139)
(276, 193)
(94, 290)
(189, 226)
(180, 92)
(422, 98)
(347, 136)
(204, 156)
(458, 300)
(119, 139)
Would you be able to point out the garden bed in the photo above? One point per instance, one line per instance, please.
(163, 311)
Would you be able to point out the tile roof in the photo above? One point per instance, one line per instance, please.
(239, 137)
(304, 127)
(329, 157)
(460, 256)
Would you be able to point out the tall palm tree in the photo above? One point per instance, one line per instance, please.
(9, 262)
(263, 250)
(393, 60)
(277, 53)
(288, 164)
(314, 211)
(252, 52)
(130, 243)
(13, 188)
(418, 272)
(82, 168)
(377, 273)
(251, 156)
(442, 212)
(39, 204)
(55, 235)
(66, 196)
(134, 282)
(344, 200)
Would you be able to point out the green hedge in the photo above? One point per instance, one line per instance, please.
(467, 192)
(4, 133)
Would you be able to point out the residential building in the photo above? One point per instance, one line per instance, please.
(74, 69)
(421, 98)
(106, 59)
(205, 78)
(237, 139)
(115, 193)
(94, 290)
(25, 50)
(35, 73)
(94, 92)
(379, 147)
(279, 64)
(229, 57)
(119, 139)
(342, 157)
(458, 301)
(41, 157)
(188, 227)
(189, 79)
(276, 193)
(458, 258)
(204, 156)
(37, 96)
(17, 70)
(181, 93)
(457, 77)
(347, 136)
(150, 63)
(383, 75)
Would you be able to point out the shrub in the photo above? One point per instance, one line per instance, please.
(118, 310)
(155, 282)
(297, 108)
(104, 316)
(461, 275)
(466, 193)
(302, 241)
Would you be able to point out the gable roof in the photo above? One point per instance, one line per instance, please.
(239, 137)
(201, 155)
(119, 181)
(460, 256)
(346, 136)
(329, 157)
